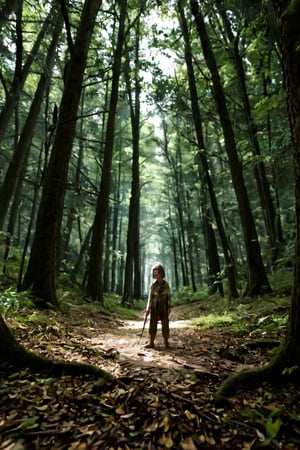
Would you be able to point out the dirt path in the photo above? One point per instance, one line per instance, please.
(117, 347)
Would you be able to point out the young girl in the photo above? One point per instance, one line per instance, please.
(159, 305)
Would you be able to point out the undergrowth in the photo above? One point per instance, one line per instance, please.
(253, 315)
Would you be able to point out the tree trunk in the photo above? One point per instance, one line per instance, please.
(191, 249)
(288, 356)
(174, 249)
(19, 80)
(132, 269)
(107, 251)
(72, 210)
(178, 199)
(257, 279)
(288, 14)
(83, 251)
(94, 288)
(23, 146)
(41, 270)
(212, 256)
(263, 186)
(115, 228)
(201, 159)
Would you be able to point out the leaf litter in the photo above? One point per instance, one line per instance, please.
(159, 399)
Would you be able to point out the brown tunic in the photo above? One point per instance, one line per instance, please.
(159, 304)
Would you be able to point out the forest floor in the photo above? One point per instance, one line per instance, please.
(163, 398)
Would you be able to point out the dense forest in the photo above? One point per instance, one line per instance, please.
(141, 134)
(134, 132)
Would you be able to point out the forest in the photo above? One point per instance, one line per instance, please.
(135, 132)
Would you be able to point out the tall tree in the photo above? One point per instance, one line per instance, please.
(201, 158)
(257, 278)
(23, 146)
(132, 278)
(288, 356)
(94, 287)
(213, 261)
(41, 271)
(263, 185)
(175, 167)
(22, 71)
(115, 228)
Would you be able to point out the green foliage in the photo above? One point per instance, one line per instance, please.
(12, 301)
(214, 320)
(292, 7)
(266, 104)
(9, 301)
(113, 305)
(290, 370)
(268, 420)
(185, 294)
(282, 278)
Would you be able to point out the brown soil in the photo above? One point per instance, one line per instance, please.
(163, 398)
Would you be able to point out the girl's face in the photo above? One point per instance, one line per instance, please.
(157, 274)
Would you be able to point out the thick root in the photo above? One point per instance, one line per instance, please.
(14, 354)
(274, 372)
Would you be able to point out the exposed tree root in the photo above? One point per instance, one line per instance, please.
(14, 354)
(245, 379)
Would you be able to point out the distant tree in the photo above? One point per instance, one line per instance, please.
(288, 356)
(177, 194)
(94, 288)
(212, 256)
(115, 228)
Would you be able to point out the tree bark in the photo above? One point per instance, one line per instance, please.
(212, 255)
(191, 248)
(288, 356)
(115, 229)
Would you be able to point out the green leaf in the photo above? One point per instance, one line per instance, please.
(29, 423)
(272, 428)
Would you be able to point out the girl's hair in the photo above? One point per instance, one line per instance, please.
(160, 268)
